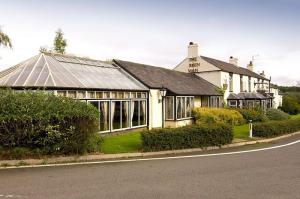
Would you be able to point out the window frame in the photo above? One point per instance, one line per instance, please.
(185, 107)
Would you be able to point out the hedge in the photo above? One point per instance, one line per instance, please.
(53, 124)
(187, 137)
(256, 115)
(276, 114)
(215, 115)
(275, 128)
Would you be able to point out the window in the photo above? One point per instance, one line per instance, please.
(72, 94)
(106, 95)
(80, 94)
(138, 112)
(62, 93)
(120, 95)
(249, 84)
(232, 103)
(184, 107)
(230, 82)
(169, 106)
(204, 101)
(91, 94)
(214, 101)
(113, 95)
(99, 95)
(241, 83)
(189, 106)
(104, 116)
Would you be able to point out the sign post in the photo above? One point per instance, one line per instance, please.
(250, 129)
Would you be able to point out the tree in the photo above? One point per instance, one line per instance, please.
(59, 42)
(5, 40)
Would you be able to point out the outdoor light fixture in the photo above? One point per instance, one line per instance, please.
(163, 92)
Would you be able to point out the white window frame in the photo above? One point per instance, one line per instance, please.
(165, 105)
(185, 117)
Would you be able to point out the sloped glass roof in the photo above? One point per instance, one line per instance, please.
(52, 70)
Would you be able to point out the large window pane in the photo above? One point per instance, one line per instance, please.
(116, 114)
(104, 116)
(135, 113)
(188, 107)
(169, 108)
(125, 114)
(183, 107)
(179, 107)
(142, 112)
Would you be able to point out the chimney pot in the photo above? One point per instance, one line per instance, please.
(250, 66)
(192, 50)
(233, 60)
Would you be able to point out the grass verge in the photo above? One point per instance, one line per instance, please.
(123, 143)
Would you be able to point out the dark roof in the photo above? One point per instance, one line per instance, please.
(247, 95)
(175, 82)
(49, 70)
(224, 66)
(273, 86)
(233, 96)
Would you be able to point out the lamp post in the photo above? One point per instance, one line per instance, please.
(163, 93)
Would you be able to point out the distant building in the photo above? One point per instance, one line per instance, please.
(242, 87)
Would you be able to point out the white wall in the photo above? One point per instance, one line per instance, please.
(212, 77)
(277, 101)
(204, 66)
(155, 109)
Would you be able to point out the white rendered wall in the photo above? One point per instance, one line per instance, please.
(155, 109)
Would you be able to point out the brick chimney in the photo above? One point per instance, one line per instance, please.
(250, 66)
(233, 60)
(192, 50)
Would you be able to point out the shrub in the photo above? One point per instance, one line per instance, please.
(38, 120)
(276, 114)
(290, 105)
(256, 115)
(187, 137)
(215, 115)
(275, 128)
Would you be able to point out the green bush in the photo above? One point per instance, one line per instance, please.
(187, 137)
(56, 125)
(256, 115)
(276, 114)
(275, 128)
(216, 115)
(290, 105)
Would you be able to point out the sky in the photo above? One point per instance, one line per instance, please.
(157, 32)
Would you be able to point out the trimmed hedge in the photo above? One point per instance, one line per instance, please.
(55, 125)
(275, 128)
(256, 115)
(187, 137)
(216, 115)
(276, 114)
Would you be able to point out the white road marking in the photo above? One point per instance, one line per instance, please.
(150, 159)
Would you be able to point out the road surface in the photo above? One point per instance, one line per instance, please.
(263, 174)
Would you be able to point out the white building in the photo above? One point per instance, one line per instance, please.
(242, 87)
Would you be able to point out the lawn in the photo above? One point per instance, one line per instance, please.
(131, 142)
(241, 132)
(295, 116)
(123, 143)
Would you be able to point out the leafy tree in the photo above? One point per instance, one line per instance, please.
(290, 105)
(5, 40)
(59, 42)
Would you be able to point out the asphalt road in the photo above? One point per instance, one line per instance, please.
(263, 174)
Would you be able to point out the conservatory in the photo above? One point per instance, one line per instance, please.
(122, 101)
